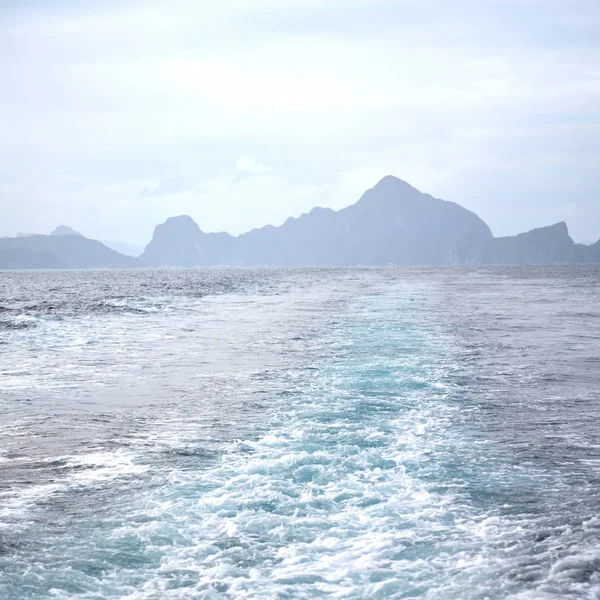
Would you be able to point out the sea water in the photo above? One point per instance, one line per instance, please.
(281, 434)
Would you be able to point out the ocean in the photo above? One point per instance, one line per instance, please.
(274, 434)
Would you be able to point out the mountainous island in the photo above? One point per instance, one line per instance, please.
(62, 249)
(391, 224)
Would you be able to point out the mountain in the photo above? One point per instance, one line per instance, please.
(120, 247)
(542, 246)
(545, 245)
(64, 230)
(180, 242)
(59, 251)
(391, 223)
(23, 258)
(581, 253)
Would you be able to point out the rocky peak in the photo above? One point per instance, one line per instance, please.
(64, 230)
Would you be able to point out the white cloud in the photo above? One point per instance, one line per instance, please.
(269, 106)
(247, 165)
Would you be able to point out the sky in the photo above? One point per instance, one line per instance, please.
(118, 114)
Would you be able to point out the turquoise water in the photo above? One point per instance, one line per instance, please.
(300, 434)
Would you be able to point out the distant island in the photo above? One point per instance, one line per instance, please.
(392, 224)
(64, 248)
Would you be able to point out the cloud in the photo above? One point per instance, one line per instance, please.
(293, 102)
(170, 186)
(247, 165)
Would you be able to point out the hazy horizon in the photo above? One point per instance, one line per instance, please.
(248, 113)
(133, 249)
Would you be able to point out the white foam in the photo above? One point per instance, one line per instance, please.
(97, 468)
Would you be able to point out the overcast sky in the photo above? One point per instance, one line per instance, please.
(118, 114)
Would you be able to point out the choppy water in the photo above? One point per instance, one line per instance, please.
(278, 434)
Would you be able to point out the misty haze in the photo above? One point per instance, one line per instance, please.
(299, 299)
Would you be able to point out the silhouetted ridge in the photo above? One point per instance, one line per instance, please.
(60, 251)
(391, 223)
(392, 184)
(64, 230)
(544, 245)
(179, 242)
(182, 223)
